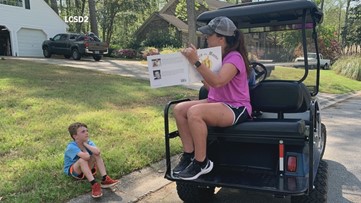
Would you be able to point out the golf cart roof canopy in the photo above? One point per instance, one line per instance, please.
(275, 15)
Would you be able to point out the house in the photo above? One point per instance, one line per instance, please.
(25, 24)
(165, 21)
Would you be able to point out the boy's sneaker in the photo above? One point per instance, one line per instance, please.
(96, 190)
(194, 170)
(185, 160)
(108, 182)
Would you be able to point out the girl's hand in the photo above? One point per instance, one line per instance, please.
(191, 54)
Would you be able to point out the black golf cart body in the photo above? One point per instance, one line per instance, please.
(279, 151)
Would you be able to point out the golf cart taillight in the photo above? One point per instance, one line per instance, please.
(291, 163)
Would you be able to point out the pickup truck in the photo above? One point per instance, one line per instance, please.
(312, 61)
(75, 45)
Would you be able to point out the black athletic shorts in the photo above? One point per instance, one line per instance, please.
(240, 114)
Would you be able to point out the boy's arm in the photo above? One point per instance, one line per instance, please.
(84, 155)
(93, 149)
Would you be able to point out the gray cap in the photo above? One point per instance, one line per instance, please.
(221, 25)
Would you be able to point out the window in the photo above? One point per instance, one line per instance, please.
(27, 4)
(18, 3)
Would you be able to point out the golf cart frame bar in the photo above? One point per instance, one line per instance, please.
(272, 16)
(275, 16)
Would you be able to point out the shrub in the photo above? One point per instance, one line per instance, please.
(169, 50)
(349, 66)
(149, 51)
(126, 53)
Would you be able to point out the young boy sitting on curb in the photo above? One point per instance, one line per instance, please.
(82, 159)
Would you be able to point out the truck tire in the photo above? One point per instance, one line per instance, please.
(190, 193)
(97, 57)
(75, 54)
(326, 67)
(46, 52)
(319, 193)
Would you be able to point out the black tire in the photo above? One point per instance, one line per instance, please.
(323, 140)
(67, 56)
(326, 67)
(46, 52)
(75, 54)
(319, 193)
(190, 193)
(97, 57)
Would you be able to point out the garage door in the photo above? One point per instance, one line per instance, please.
(29, 42)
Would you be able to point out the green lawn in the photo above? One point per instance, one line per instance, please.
(124, 116)
(330, 82)
(39, 101)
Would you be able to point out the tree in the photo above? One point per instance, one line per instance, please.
(93, 17)
(344, 33)
(192, 37)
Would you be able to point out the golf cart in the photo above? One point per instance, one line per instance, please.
(280, 150)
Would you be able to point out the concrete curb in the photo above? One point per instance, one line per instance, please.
(134, 186)
(328, 100)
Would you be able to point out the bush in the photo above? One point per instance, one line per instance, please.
(349, 66)
(169, 50)
(149, 51)
(160, 40)
(126, 53)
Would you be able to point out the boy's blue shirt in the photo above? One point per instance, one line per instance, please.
(70, 155)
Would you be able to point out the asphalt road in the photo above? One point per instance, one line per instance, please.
(342, 154)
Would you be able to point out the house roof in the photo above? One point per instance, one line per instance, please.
(175, 21)
(171, 19)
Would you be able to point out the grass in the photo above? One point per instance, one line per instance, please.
(39, 101)
(124, 116)
(349, 66)
(330, 81)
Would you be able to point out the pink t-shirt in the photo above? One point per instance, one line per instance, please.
(236, 92)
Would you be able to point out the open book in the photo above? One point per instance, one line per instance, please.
(174, 69)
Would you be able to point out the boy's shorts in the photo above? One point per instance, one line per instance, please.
(81, 175)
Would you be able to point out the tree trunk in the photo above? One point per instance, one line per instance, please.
(93, 18)
(191, 9)
(54, 6)
(345, 31)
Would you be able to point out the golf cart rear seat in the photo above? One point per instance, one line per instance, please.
(277, 98)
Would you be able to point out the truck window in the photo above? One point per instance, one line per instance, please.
(57, 37)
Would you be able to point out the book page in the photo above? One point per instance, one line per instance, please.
(174, 69)
(211, 58)
(167, 70)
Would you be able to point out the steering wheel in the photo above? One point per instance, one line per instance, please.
(260, 71)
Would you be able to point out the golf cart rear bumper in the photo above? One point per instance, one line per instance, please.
(249, 179)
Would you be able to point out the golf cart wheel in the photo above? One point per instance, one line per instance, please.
(193, 193)
(319, 193)
(323, 139)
